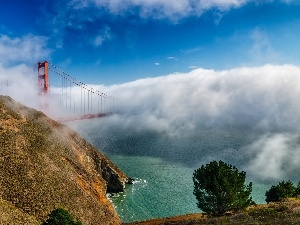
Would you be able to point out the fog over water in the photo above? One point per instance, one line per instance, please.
(248, 117)
(168, 126)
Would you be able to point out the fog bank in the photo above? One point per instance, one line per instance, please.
(245, 116)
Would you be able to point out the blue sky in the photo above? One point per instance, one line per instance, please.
(114, 41)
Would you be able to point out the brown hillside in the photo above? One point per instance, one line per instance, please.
(286, 212)
(44, 165)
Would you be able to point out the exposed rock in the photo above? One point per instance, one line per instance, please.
(45, 165)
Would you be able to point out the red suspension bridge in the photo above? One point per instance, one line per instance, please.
(68, 98)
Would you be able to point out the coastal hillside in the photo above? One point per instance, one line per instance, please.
(45, 165)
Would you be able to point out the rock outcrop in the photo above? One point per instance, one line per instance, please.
(45, 165)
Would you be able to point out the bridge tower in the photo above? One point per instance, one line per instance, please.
(43, 77)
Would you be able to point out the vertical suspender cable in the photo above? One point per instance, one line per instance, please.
(83, 106)
(101, 103)
(70, 97)
(98, 103)
(91, 106)
(62, 91)
(81, 99)
(104, 105)
(88, 101)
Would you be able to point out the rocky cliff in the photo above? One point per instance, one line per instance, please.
(45, 165)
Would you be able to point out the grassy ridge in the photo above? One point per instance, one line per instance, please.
(44, 165)
(286, 212)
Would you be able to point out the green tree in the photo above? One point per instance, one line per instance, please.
(220, 187)
(284, 189)
(60, 216)
(297, 190)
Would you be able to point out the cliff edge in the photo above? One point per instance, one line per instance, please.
(45, 165)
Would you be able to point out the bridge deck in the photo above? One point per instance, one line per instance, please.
(83, 117)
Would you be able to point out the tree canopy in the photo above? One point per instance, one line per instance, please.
(60, 216)
(282, 190)
(219, 187)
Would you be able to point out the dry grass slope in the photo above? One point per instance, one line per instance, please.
(44, 165)
(283, 213)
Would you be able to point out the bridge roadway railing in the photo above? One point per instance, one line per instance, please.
(83, 117)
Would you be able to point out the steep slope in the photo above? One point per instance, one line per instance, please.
(44, 165)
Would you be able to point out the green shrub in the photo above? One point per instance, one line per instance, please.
(220, 187)
(60, 217)
(297, 190)
(284, 189)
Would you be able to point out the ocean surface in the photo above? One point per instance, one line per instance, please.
(161, 189)
(162, 166)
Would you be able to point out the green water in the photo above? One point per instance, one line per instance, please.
(161, 189)
(163, 166)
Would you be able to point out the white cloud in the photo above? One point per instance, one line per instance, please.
(98, 41)
(173, 10)
(20, 83)
(157, 64)
(256, 106)
(246, 116)
(222, 4)
(262, 50)
(264, 97)
(172, 58)
(15, 52)
(288, 1)
(275, 156)
(104, 36)
(28, 49)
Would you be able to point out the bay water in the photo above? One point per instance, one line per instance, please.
(161, 189)
(162, 167)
